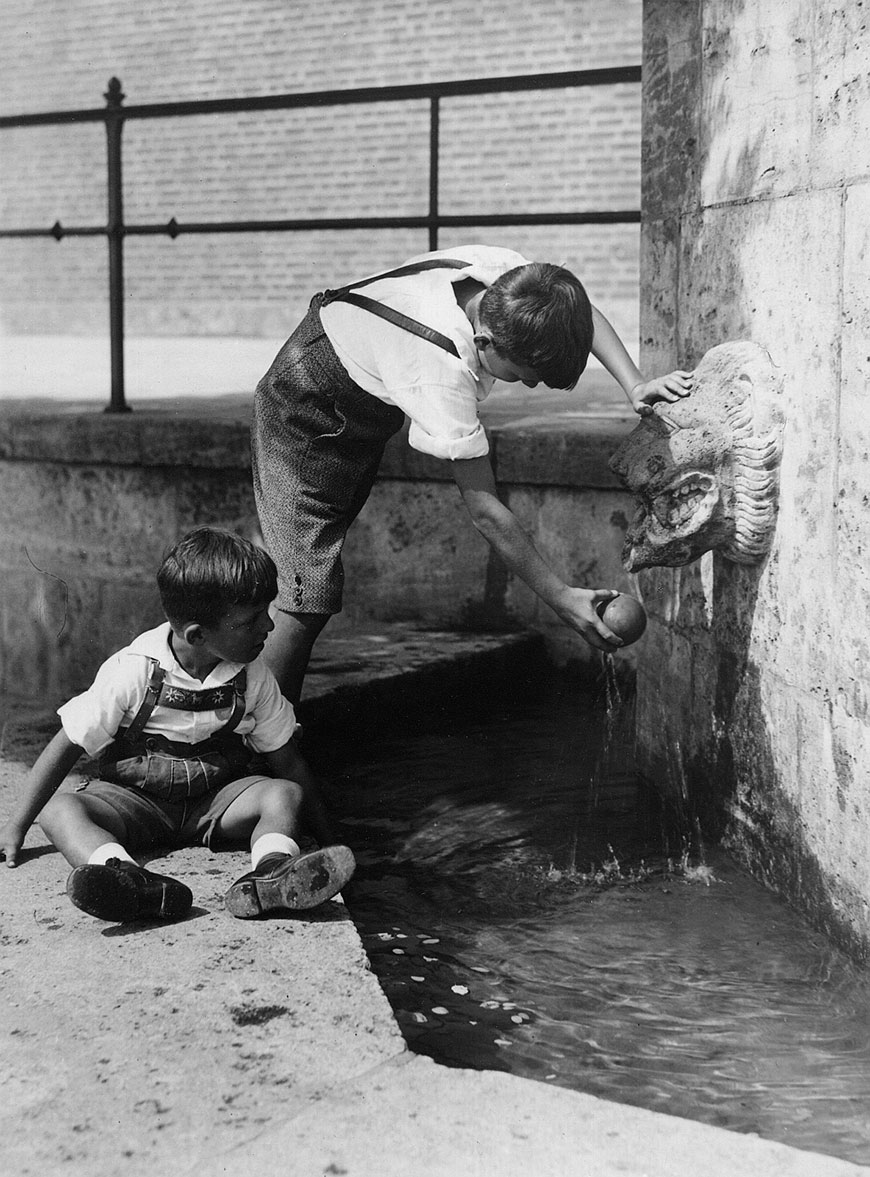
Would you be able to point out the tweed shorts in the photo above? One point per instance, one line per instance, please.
(317, 440)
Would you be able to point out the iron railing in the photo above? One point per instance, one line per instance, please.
(114, 114)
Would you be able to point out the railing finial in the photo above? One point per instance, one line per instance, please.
(114, 95)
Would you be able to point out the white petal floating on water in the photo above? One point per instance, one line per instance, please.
(430, 959)
(399, 951)
(419, 1017)
(418, 978)
(490, 1004)
(502, 1041)
(430, 941)
(463, 989)
(439, 1009)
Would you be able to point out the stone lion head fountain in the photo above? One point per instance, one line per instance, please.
(704, 470)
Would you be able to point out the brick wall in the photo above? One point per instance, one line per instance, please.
(545, 152)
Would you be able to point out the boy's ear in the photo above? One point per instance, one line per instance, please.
(193, 633)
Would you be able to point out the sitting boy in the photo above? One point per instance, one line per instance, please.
(175, 719)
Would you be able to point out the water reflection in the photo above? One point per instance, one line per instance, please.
(527, 908)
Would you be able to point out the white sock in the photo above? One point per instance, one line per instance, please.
(108, 850)
(272, 844)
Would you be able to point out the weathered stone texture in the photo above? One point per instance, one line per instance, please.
(757, 87)
(769, 242)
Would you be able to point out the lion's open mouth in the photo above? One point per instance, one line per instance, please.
(680, 502)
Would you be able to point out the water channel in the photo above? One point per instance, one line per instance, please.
(527, 908)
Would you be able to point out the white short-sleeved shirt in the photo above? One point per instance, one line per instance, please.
(92, 719)
(439, 392)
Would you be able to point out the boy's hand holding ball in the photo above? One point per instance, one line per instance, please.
(625, 616)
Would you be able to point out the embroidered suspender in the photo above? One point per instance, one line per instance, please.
(344, 294)
(181, 699)
(152, 694)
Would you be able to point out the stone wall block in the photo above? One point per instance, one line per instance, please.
(840, 134)
(756, 101)
(851, 758)
(659, 255)
(411, 554)
(713, 305)
(671, 77)
(676, 678)
(850, 601)
(680, 597)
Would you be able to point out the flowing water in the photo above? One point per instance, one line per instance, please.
(526, 909)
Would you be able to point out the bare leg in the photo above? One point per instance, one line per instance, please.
(289, 649)
(268, 807)
(79, 825)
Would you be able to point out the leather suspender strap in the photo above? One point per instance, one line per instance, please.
(396, 317)
(432, 263)
(152, 694)
(403, 321)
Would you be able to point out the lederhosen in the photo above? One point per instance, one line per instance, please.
(172, 770)
(317, 440)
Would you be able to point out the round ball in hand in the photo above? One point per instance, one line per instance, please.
(624, 616)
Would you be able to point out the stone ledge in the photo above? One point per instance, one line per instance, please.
(400, 675)
(561, 448)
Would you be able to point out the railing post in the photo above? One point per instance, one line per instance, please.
(115, 233)
(434, 133)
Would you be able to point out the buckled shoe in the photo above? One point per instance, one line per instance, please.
(123, 891)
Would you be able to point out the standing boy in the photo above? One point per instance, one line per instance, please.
(174, 720)
(426, 340)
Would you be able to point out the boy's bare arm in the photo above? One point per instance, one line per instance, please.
(609, 350)
(289, 764)
(54, 763)
(501, 529)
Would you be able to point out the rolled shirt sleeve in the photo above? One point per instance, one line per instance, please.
(92, 718)
(444, 422)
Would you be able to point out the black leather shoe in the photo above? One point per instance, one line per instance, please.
(282, 882)
(122, 891)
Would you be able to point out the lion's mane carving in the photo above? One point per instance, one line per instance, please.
(704, 470)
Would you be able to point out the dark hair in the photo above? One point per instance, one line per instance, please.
(211, 570)
(540, 316)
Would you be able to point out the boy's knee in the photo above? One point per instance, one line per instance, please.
(281, 793)
(54, 811)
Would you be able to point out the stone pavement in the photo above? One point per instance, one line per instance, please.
(223, 1048)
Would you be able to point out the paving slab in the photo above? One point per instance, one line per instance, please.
(215, 1046)
(412, 1116)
